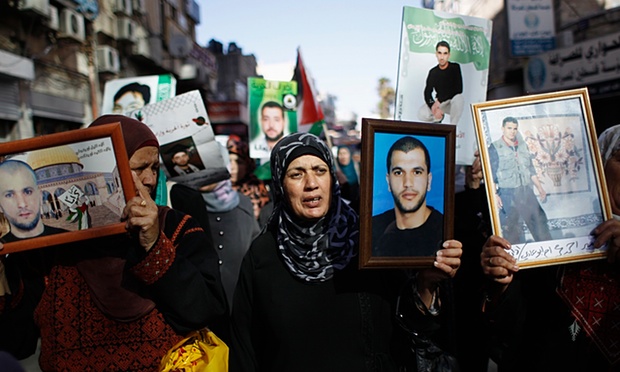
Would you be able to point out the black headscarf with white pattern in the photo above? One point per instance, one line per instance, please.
(312, 251)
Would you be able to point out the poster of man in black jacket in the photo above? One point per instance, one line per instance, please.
(444, 88)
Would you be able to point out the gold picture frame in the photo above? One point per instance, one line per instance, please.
(543, 175)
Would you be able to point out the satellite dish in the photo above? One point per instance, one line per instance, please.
(180, 46)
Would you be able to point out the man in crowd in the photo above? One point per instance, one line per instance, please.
(444, 88)
(412, 228)
(514, 175)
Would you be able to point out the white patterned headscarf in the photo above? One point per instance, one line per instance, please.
(609, 143)
(312, 251)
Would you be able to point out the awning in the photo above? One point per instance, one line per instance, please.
(52, 107)
(9, 99)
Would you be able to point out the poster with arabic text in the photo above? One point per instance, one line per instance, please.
(443, 69)
(190, 154)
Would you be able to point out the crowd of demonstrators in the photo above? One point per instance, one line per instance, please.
(291, 297)
(531, 314)
(114, 303)
(242, 174)
(301, 302)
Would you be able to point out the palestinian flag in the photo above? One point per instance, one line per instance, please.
(310, 117)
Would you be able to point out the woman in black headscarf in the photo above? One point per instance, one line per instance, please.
(301, 304)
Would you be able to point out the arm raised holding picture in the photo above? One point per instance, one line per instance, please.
(148, 288)
(520, 304)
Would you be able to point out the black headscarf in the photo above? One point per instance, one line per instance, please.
(311, 252)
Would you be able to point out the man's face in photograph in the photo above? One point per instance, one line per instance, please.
(272, 122)
(409, 179)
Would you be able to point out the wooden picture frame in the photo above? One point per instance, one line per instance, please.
(561, 190)
(83, 180)
(380, 242)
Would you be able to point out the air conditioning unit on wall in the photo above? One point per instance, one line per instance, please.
(53, 22)
(38, 6)
(106, 24)
(142, 45)
(126, 29)
(71, 25)
(107, 59)
(122, 7)
(139, 7)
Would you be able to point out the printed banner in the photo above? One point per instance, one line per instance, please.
(590, 63)
(272, 110)
(189, 153)
(129, 94)
(443, 68)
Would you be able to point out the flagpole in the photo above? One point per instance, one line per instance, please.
(309, 110)
(327, 137)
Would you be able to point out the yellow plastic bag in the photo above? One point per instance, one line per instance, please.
(201, 351)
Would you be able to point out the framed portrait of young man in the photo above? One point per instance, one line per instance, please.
(543, 175)
(407, 192)
(63, 187)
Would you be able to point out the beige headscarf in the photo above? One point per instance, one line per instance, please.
(609, 142)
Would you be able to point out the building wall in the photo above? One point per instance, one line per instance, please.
(62, 85)
(575, 21)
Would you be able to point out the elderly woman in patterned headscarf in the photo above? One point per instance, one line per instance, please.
(301, 304)
(147, 288)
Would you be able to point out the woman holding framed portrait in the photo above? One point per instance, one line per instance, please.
(559, 318)
(301, 304)
(117, 302)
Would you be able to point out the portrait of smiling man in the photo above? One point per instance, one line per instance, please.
(412, 227)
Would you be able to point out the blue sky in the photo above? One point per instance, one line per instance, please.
(347, 46)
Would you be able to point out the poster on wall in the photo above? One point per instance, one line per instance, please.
(594, 63)
(531, 26)
(272, 112)
(443, 69)
(128, 94)
(189, 153)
